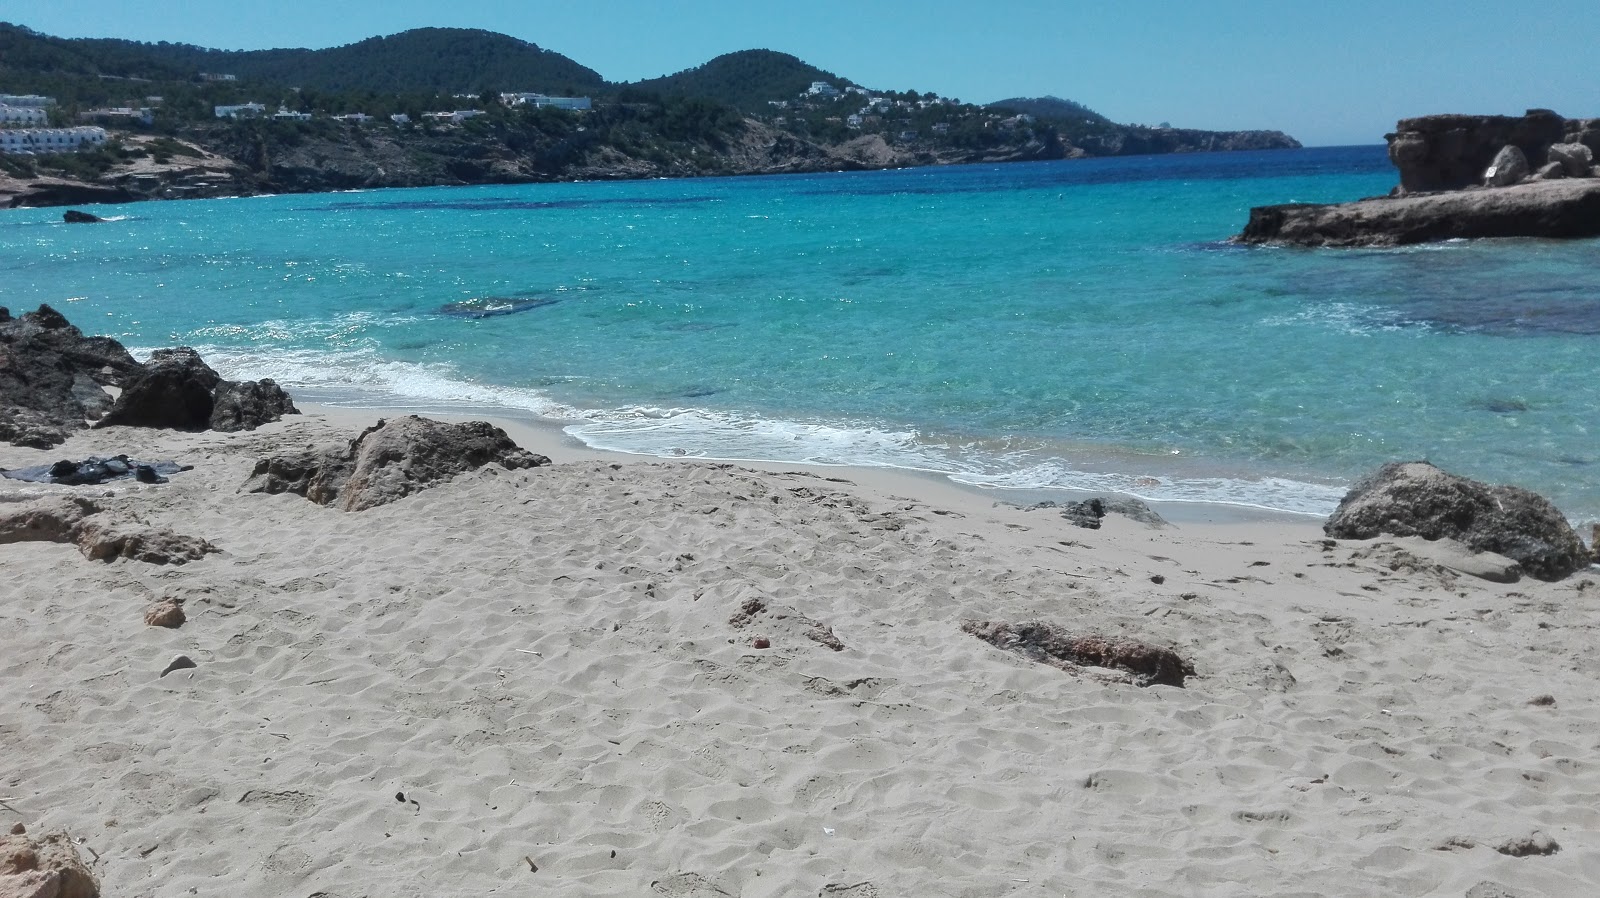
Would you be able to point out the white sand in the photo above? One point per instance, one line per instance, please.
(542, 662)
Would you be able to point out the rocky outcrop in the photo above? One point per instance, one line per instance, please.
(389, 461)
(73, 216)
(47, 867)
(176, 389)
(99, 536)
(1442, 160)
(1418, 499)
(51, 377)
(1562, 208)
(1449, 152)
(1049, 644)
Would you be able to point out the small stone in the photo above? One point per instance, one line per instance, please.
(181, 662)
(1157, 579)
(761, 642)
(1543, 701)
(165, 613)
(18, 829)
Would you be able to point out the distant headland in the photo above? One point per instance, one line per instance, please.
(446, 106)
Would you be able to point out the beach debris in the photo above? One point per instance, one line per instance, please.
(48, 867)
(77, 520)
(1050, 644)
(166, 613)
(1089, 512)
(51, 381)
(178, 662)
(389, 461)
(747, 612)
(176, 389)
(1418, 499)
(824, 635)
(1536, 843)
(532, 867)
(1543, 701)
(96, 470)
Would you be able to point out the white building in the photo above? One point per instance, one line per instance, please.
(400, 118)
(23, 116)
(822, 89)
(284, 115)
(452, 118)
(217, 76)
(540, 101)
(243, 110)
(358, 117)
(26, 100)
(34, 141)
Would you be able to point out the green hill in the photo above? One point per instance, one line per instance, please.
(1052, 108)
(746, 79)
(424, 60)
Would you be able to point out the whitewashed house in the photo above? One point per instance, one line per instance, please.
(243, 110)
(36, 141)
(23, 116)
(540, 101)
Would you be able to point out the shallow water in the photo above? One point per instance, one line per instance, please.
(1053, 325)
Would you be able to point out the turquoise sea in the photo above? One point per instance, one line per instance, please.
(1063, 325)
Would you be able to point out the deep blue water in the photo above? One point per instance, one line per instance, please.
(1077, 324)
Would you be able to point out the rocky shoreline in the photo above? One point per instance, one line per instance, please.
(1461, 177)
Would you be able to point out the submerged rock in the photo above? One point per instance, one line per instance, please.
(1418, 499)
(389, 461)
(73, 216)
(494, 306)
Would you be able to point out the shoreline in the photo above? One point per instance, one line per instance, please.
(548, 437)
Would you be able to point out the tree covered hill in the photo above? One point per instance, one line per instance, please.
(1053, 108)
(746, 80)
(423, 60)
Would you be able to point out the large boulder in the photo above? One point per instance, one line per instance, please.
(1418, 499)
(1510, 166)
(176, 389)
(1576, 159)
(389, 461)
(246, 405)
(173, 390)
(51, 377)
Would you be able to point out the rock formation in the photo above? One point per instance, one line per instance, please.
(48, 867)
(1418, 499)
(389, 461)
(51, 377)
(1442, 161)
(73, 216)
(99, 536)
(177, 389)
(1564, 208)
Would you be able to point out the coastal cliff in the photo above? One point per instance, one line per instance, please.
(1461, 177)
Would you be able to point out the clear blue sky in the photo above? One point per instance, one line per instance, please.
(1331, 72)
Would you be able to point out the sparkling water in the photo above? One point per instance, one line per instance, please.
(1061, 325)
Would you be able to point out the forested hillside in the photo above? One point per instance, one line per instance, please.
(746, 80)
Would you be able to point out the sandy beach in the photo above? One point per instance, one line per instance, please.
(546, 682)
